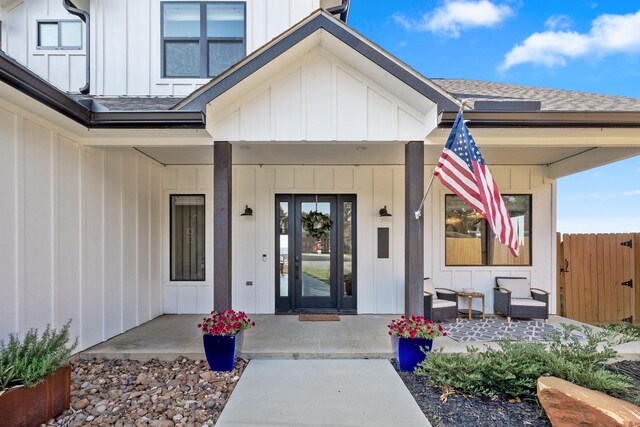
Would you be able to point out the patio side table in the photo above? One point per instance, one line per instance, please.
(470, 296)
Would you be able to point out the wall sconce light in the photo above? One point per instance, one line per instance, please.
(383, 211)
(247, 211)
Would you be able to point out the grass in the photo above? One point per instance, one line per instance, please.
(320, 273)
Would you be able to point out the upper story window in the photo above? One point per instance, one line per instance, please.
(201, 39)
(469, 240)
(60, 34)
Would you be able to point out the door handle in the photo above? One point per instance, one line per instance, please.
(297, 268)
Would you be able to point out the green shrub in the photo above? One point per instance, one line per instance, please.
(622, 333)
(513, 369)
(28, 361)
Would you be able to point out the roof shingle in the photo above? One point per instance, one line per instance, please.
(551, 99)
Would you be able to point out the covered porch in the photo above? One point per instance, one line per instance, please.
(283, 337)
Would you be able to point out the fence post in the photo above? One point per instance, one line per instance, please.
(560, 291)
(635, 312)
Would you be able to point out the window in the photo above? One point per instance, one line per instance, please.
(59, 35)
(187, 243)
(470, 241)
(201, 39)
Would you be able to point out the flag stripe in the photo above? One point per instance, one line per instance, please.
(461, 168)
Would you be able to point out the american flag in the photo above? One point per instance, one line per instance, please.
(462, 169)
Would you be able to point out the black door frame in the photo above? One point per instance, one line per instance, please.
(292, 301)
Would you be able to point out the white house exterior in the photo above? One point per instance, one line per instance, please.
(94, 186)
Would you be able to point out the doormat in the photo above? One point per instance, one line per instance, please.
(310, 317)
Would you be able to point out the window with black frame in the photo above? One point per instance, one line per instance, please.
(202, 39)
(187, 237)
(469, 240)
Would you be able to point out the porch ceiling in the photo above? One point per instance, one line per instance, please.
(350, 154)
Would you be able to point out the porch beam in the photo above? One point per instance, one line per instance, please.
(221, 225)
(413, 229)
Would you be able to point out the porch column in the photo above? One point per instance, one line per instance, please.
(221, 225)
(413, 228)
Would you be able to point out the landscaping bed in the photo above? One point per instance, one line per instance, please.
(454, 409)
(127, 392)
(460, 410)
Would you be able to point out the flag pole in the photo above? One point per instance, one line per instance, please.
(418, 212)
(463, 103)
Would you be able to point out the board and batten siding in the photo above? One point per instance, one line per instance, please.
(80, 229)
(319, 97)
(127, 39)
(380, 281)
(125, 43)
(65, 68)
(510, 180)
(188, 297)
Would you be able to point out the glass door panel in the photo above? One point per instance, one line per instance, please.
(315, 271)
(315, 256)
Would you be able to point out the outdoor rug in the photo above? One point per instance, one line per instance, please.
(497, 329)
(308, 317)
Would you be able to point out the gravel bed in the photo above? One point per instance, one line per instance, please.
(458, 410)
(114, 392)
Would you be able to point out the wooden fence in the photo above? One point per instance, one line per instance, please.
(599, 277)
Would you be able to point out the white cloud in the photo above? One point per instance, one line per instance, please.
(609, 34)
(456, 15)
(632, 193)
(558, 22)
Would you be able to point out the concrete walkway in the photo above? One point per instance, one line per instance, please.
(321, 393)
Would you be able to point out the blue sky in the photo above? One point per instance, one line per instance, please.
(586, 45)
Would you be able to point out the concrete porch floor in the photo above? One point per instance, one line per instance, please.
(281, 337)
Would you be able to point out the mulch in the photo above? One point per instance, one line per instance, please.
(469, 411)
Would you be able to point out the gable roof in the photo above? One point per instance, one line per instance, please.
(550, 99)
(319, 20)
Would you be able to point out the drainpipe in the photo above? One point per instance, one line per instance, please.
(84, 16)
(343, 10)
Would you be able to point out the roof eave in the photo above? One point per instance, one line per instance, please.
(154, 119)
(547, 119)
(18, 76)
(24, 80)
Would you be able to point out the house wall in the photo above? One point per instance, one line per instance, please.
(510, 180)
(320, 97)
(125, 43)
(188, 297)
(380, 281)
(80, 230)
(64, 68)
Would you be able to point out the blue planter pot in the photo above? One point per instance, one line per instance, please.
(220, 351)
(410, 353)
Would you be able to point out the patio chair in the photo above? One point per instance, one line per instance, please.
(439, 303)
(514, 297)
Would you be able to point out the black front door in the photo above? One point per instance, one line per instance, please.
(315, 271)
